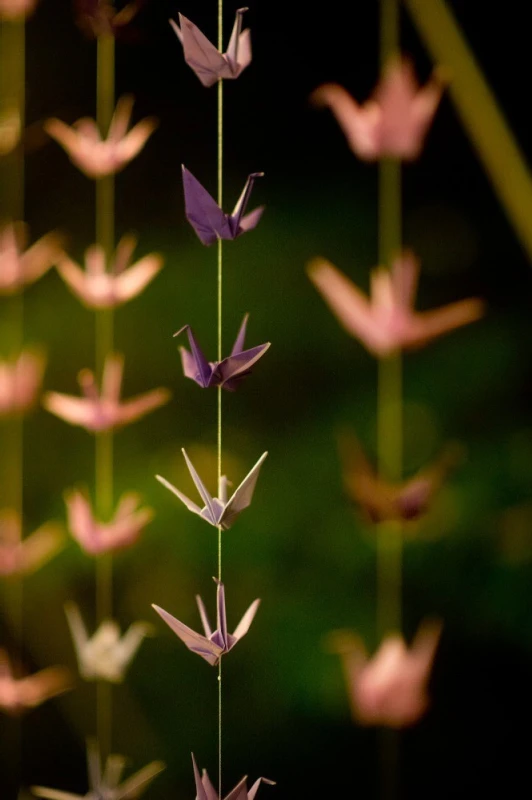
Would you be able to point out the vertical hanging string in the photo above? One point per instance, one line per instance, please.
(219, 337)
(105, 91)
(12, 108)
(389, 413)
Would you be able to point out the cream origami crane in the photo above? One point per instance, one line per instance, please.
(98, 287)
(387, 321)
(103, 411)
(214, 644)
(393, 122)
(98, 157)
(18, 695)
(106, 654)
(206, 791)
(389, 689)
(218, 511)
(18, 268)
(20, 556)
(20, 382)
(205, 59)
(96, 537)
(106, 785)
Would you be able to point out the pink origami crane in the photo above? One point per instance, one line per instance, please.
(394, 122)
(100, 18)
(18, 695)
(98, 157)
(96, 537)
(227, 373)
(11, 10)
(390, 689)
(106, 654)
(205, 59)
(18, 268)
(20, 556)
(387, 322)
(97, 287)
(218, 511)
(214, 644)
(103, 411)
(206, 791)
(20, 382)
(106, 785)
(381, 500)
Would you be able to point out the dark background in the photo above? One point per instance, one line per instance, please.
(300, 547)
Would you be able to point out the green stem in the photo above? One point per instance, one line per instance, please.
(105, 191)
(219, 282)
(389, 414)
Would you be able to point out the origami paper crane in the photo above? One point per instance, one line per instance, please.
(100, 18)
(394, 122)
(227, 373)
(206, 791)
(205, 59)
(20, 556)
(102, 412)
(387, 321)
(18, 695)
(98, 288)
(20, 382)
(218, 511)
(11, 10)
(98, 157)
(389, 689)
(107, 786)
(96, 537)
(105, 655)
(214, 644)
(18, 268)
(208, 219)
(382, 501)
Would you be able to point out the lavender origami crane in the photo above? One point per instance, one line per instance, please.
(106, 785)
(218, 511)
(227, 373)
(106, 654)
(394, 122)
(21, 694)
(214, 644)
(381, 500)
(96, 537)
(390, 688)
(206, 791)
(387, 321)
(97, 287)
(205, 59)
(208, 219)
(103, 411)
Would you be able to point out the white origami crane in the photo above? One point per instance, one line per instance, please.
(105, 786)
(106, 654)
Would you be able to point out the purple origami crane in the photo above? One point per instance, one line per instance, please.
(208, 219)
(227, 373)
(213, 644)
(218, 511)
(206, 791)
(205, 59)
